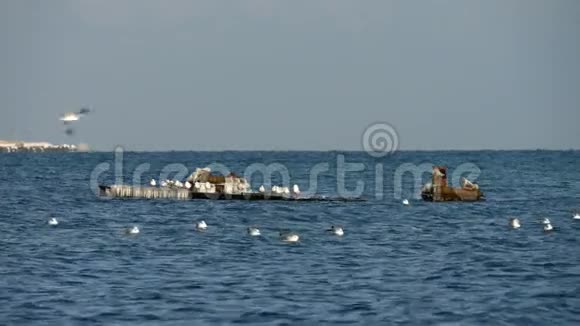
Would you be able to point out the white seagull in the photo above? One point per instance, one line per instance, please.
(296, 189)
(153, 183)
(53, 222)
(187, 184)
(254, 231)
(289, 237)
(406, 202)
(576, 215)
(70, 117)
(201, 225)
(337, 230)
(547, 224)
(515, 223)
(262, 189)
(133, 230)
(74, 116)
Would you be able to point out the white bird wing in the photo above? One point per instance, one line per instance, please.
(68, 117)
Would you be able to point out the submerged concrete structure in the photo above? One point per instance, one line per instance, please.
(203, 184)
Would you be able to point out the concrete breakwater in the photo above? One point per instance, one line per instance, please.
(145, 192)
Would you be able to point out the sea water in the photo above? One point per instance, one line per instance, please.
(426, 263)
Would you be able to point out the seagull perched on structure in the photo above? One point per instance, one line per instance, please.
(153, 183)
(262, 189)
(296, 189)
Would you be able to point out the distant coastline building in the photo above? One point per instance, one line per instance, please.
(20, 146)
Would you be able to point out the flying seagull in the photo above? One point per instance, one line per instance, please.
(70, 117)
(74, 116)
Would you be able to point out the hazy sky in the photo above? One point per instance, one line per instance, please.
(259, 74)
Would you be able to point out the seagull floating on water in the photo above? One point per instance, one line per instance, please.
(53, 221)
(576, 215)
(289, 237)
(133, 230)
(515, 223)
(337, 230)
(201, 225)
(547, 224)
(406, 202)
(254, 231)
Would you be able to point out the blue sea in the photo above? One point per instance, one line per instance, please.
(422, 264)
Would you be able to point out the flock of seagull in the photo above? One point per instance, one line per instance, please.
(207, 187)
(336, 230)
(252, 230)
(171, 183)
(547, 224)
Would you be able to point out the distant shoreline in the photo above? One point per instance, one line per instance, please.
(34, 147)
(333, 151)
(22, 146)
